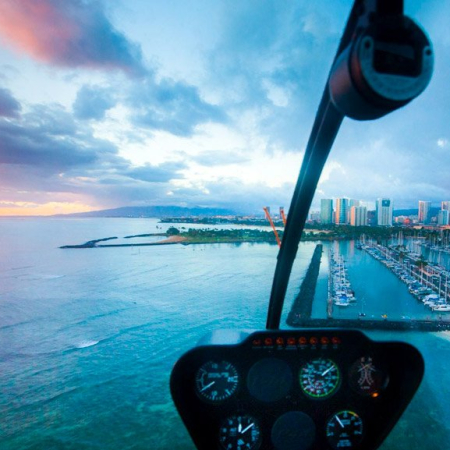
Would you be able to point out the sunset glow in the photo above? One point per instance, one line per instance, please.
(111, 104)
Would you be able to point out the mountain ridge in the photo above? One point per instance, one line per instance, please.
(156, 211)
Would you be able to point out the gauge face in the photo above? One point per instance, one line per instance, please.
(216, 381)
(366, 378)
(240, 432)
(345, 430)
(320, 378)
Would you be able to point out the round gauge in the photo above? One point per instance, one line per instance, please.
(366, 378)
(320, 378)
(345, 430)
(240, 432)
(216, 381)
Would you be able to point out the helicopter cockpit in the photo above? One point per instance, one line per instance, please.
(328, 387)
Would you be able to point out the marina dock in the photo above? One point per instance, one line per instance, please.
(428, 283)
(340, 293)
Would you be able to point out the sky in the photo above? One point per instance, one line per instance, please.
(117, 103)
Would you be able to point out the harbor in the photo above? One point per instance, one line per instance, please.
(377, 296)
(427, 282)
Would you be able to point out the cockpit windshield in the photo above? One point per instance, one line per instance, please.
(150, 155)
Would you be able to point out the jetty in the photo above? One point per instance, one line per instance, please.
(302, 305)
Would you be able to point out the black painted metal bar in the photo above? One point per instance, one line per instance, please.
(324, 131)
(323, 134)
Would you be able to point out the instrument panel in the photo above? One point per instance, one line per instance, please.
(295, 390)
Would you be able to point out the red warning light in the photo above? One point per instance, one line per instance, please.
(268, 341)
(313, 341)
(335, 340)
(256, 342)
(291, 341)
(280, 341)
(302, 340)
(324, 340)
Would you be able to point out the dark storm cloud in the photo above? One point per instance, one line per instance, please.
(92, 102)
(70, 34)
(171, 106)
(9, 106)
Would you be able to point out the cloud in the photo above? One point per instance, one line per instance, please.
(273, 57)
(49, 138)
(233, 193)
(47, 155)
(212, 158)
(156, 174)
(174, 107)
(92, 102)
(9, 106)
(72, 34)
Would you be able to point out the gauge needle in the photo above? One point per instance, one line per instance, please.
(207, 386)
(326, 371)
(339, 422)
(247, 428)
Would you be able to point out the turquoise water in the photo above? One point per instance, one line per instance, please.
(378, 291)
(88, 337)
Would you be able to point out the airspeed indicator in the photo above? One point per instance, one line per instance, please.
(320, 378)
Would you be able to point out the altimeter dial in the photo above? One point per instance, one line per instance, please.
(216, 381)
(320, 378)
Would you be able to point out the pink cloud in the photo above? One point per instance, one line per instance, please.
(69, 33)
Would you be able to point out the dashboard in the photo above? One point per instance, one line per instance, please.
(294, 389)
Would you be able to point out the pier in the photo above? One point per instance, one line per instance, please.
(340, 293)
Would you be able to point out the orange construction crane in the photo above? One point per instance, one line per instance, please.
(283, 216)
(275, 232)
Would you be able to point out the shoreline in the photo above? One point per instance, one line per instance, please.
(171, 240)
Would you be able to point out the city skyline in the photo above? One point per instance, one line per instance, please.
(110, 104)
(350, 211)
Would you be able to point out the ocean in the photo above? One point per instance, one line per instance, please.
(88, 337)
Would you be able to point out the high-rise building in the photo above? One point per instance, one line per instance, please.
(326, 210)
(443, 217)
(424, 211)
(371, 218)
(384, 212)
(445, 206)
(351, 202)
(341, 211)
(358, 216)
